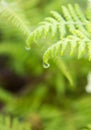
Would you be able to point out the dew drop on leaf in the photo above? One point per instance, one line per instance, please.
(46, 65)
(27, 48)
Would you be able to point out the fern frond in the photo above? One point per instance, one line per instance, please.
(72, 30)
(15, 18)
(88, 13)
(79, 19)
(74, 43)
(8, 123)
(50, 25)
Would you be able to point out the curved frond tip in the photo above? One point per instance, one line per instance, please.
(72, 31)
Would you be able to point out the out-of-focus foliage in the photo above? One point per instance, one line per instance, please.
(32, 97)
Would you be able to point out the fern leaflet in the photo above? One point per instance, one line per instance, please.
(72, 29)
(16, 19)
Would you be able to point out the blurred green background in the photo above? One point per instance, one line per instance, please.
(43, 97)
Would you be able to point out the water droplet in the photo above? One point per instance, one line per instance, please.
(27, 48)
(46, 65)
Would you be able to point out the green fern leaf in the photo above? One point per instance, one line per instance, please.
(8, 123)
(15, 18)
(78, 36)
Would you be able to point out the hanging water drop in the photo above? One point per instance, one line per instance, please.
(46, 65)
(27, 48)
